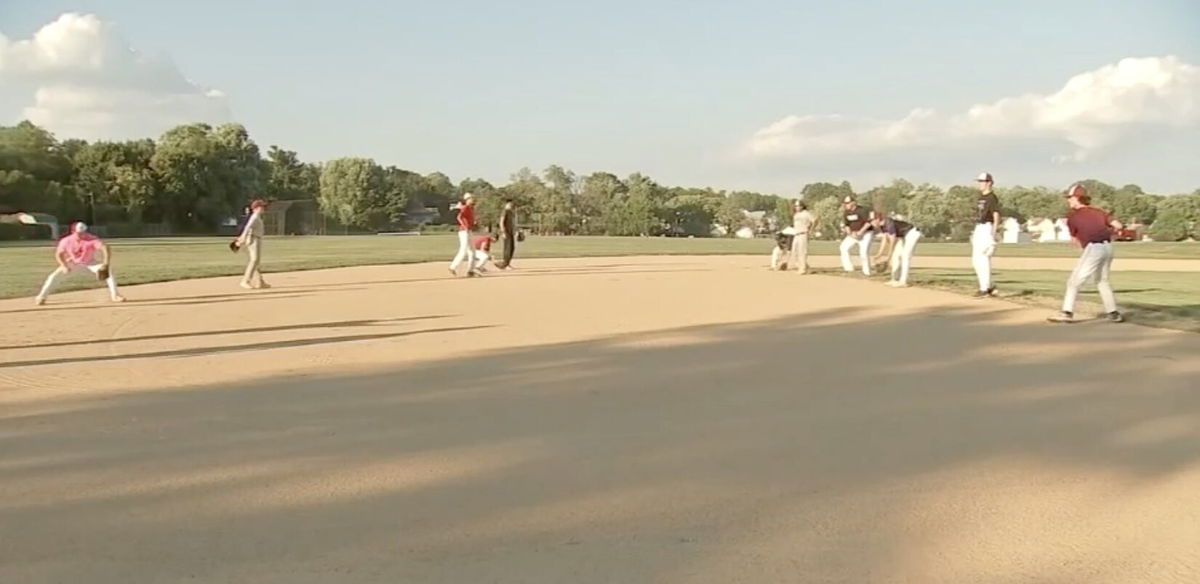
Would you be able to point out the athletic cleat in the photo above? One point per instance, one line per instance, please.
(39, 300)
(981, 294)
(473, 274)
(1115, 316)
(263, 286)
(246, 285)
(1063, 317)
(453, 272)
(991, 291)
(118, 299)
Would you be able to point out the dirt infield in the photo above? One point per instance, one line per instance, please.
(675, 419)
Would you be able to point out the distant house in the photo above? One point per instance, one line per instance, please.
(33, 219)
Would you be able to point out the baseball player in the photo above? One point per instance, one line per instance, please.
(483, 251)
(77, 252)
(802, 223)
(466, 224)
(784, 242)
(1092, 229)
(897, 244)
(983, 238)
(856, 227)
(251, 240)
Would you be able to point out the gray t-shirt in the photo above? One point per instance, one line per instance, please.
(802, 222)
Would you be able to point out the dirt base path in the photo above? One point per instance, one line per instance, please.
(598, 420)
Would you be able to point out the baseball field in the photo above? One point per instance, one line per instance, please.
(611, 415)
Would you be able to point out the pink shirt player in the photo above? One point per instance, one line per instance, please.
(76, 252)
(79, 248)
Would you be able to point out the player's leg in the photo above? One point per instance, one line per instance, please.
(1105, 287)
(464, 250)
(847, 243)
(800, 245)
(910, 247)
(510, 247)
(981, 249)
(1086, 268)
(894, 262)
(262, 282)
(110, 281)
(472, 264)
(864, 251)
(481, 260)
(251, 264)
(48, 286)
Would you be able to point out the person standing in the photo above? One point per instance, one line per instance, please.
(802, 222)
(508, 230)
(1092, 229)
(856, 226)
(983, 238)
(251, 240)
(898, 242)
(77, 252)
(466, 225)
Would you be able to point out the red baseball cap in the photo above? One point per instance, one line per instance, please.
(1076, 190)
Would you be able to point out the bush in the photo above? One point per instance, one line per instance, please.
(1170, 225)
(22, 232)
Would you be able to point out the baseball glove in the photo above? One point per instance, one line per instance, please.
(233, 246)
(102, 273)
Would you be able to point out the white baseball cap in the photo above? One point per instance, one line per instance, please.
(984, 177)
(79, 227)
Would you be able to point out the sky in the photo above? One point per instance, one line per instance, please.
(763, 95)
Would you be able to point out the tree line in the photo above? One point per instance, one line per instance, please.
(196, 176)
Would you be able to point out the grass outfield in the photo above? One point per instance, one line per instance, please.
(1164, 299)
(140, 261)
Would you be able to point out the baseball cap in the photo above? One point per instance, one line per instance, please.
(79, 227)
(848, 199)
(984, 177)
(1076, 190)
(468, 196)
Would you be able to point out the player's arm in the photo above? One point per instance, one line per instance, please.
(886, 243)
(1115, 224)
(995, 222)
(64, 262)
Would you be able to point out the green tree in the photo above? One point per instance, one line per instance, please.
(1177, 218)
(205, 174)
(927, 210)
(117, 174)
(828, 214)
(352, 192)
(813, 193)
(35, 171)
(287, 178)
(598, 193)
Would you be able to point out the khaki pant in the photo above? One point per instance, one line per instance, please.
(254, 248)
(800, 253)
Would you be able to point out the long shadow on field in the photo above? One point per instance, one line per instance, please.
(516, 273)
(830, 444)
(133, 302)
(240, 347)
(259, 329)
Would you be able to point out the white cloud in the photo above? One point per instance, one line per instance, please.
(1090, 112)
(78, 77)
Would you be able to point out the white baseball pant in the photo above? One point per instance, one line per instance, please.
(983, 245)
(94, 268)
(464, 251)
(1094, 264)
(864, 246)
(903, 253)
